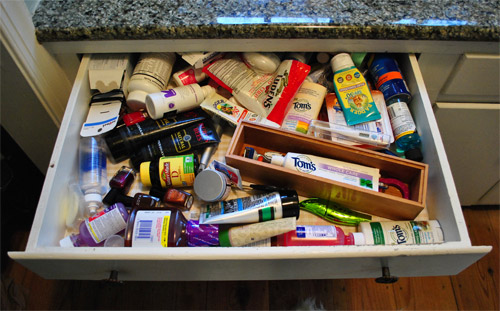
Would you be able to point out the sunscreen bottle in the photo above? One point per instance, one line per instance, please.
(352, 91)
(151, 75)
(176, 100)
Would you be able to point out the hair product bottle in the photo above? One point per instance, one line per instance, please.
(92, 172)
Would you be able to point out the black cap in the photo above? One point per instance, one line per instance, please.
(290, 203)
(157, 192)
(414, 154)
(115, 195)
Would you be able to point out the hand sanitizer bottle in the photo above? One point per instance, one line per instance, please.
(92, 172)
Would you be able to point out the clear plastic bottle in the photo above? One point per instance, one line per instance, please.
(151, 75)
(92, 172)
(389, 80)
(96, 229)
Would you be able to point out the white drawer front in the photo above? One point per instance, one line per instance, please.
(44, 257)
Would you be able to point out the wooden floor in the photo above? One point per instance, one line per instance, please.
(476, 288)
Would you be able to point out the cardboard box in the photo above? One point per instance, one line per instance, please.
(263, 139)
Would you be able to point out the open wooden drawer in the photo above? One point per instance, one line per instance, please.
(44, 256)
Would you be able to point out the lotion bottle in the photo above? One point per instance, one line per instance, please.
(319, 236)
(176, 100)
(151, 75)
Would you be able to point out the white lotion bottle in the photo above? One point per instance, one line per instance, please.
(151, 75)
(176, 100)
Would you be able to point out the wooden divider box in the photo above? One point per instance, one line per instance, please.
(264, 138)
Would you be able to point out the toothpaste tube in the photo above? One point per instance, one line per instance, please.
(229, 111)
(353, 174)
(286, 82)
(248, 87)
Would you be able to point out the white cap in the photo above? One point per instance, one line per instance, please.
(278, 160)
(341, 61)
(114, 241)
(359, 238)
(66, 242)
(94, 201)
(207, 90)
(136, 100)
(262, 62)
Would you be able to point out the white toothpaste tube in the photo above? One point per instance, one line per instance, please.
(248, 87)
(230, 111)
(349, 173)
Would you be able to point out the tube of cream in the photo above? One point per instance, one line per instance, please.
(232, 173)
(256, 208)
(349, 173)
(245, 84)
(285, 84)
(242, 235)
(230, 111)
(305, 107)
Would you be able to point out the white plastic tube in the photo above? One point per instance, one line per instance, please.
(349, 173)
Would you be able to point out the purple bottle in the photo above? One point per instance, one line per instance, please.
(96, 229)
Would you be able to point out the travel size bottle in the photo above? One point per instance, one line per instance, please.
(389, 80)
(319, 236)
(96, 229)
(92, 174)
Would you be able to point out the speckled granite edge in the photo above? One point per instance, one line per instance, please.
(282, 31)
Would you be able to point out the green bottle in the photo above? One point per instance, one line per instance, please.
(333, 213)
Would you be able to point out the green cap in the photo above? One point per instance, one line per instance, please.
(224, 238)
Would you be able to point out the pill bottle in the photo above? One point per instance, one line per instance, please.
(176, 100)
(211, 185)
(172, 171)
(150, 75)
(389, 80)
(189, 75)
(96, 229)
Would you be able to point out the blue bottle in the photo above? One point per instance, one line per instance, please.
(92, 172)
(389, 80)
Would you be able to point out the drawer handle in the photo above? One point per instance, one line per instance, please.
(113, 278)
(386, 277)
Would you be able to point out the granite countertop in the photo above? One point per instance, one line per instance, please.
(76, 20)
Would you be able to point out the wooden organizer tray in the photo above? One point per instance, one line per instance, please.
(264, 138)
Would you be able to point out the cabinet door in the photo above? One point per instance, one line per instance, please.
(475, 78)
(470, 134)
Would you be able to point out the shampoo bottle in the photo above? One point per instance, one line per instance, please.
(151, 75)
(176, 100)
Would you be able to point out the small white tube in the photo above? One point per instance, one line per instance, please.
(189, 75)
(243, 235)
(349, 173)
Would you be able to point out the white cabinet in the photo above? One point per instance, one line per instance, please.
(471, 137)
(46, 258)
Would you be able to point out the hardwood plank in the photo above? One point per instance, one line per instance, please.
(363, 294)
(286, 295)
(237, 295)
(477, 286)
(415, 293)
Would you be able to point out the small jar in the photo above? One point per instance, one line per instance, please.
(211, 185)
